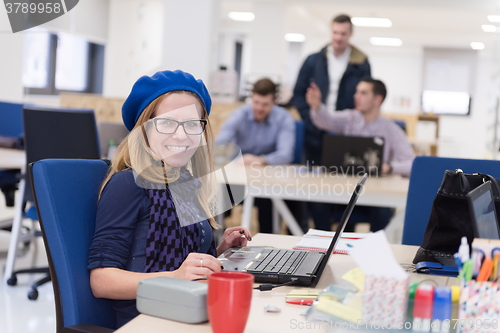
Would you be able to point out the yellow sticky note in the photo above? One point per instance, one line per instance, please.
(337, 309)
(356, 276)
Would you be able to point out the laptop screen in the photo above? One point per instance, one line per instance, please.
(483, 213)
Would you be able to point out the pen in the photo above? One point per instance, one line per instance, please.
(468, 270)
(422, 308)
(242, 232)
(485, 272)
(302, 302)
(441, 313)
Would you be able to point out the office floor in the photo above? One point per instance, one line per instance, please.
(18, 314)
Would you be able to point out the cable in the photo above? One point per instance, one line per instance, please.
(267, 287)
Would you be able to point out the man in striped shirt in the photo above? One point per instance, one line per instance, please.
(364, 120)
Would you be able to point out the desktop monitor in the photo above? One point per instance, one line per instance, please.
(483, 214)
(59, 133)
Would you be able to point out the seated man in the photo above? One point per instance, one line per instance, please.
(366, 120)
(265, 133)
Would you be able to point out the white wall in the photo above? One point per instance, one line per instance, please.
(190, 36)
(135, 44)
(11, 62)
(468, 136)
(87, 19)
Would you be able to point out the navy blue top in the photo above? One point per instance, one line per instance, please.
(122, 223)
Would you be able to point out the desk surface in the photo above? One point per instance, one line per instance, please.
(12, 158)
(289, 318)
(286, 182)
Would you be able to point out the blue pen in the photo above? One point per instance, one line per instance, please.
(459, 263)
(441, 312)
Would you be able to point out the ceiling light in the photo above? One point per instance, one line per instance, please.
(295, 37)
(489, 28)
(383, 41)
(371, 22)
(477, 45)
(494, 18)
(241, 16)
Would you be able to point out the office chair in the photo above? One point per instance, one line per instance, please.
(49, 133)
(11, 126)
(426, 175)
(402, 124)
(66, 195)
(299, 142)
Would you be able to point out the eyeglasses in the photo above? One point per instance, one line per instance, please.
(170, 126)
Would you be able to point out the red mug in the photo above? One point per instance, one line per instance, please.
(228, 301)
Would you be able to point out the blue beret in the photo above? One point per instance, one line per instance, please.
(148, 88)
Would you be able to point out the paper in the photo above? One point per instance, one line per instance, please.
(319, 239)
(356, 276)
(331, 234)
(374, 256)
(324, 243)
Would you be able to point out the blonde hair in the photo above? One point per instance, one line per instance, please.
(134, 153)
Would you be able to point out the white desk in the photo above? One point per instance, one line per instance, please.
(280, 183)
(263, 322)
(12, 158)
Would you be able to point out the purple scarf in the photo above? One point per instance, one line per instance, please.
(168, 243)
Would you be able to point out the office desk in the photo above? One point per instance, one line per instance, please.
(12, 158)
(289, 317)
(280, 183)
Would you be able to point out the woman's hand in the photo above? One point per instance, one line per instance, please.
(235, 236)
(197, 266)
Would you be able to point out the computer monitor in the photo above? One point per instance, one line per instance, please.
(59, 133)
(483, 214)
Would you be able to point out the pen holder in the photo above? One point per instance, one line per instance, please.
(479, 310)
(385, 301)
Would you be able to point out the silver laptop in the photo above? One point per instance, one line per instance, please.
(271, 265)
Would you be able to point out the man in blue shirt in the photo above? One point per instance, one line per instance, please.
(264, 131)
(265, 134)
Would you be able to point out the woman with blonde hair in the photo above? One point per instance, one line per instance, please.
(155, 214)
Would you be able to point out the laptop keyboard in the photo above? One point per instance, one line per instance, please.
(277, 261)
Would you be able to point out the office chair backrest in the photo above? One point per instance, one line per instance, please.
(58, 133)
(11, 119)
(299, 142)
(66, 195)
(425, 179)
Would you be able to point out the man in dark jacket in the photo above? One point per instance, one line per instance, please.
(336, 70)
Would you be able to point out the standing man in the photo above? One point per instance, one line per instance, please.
(265, 134)
(336, 70)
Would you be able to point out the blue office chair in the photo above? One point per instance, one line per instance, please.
(402, 124)
(426, 176)
(49, 133)
(66, 194)
(299, 142)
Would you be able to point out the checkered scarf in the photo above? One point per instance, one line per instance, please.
(168, 243)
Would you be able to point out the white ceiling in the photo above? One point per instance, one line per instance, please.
(419, 23)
